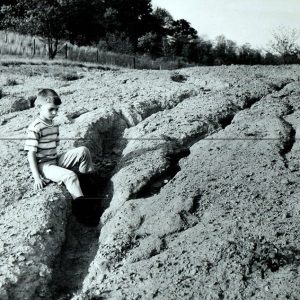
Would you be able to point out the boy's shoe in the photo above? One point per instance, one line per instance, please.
(92, 183)
(86, 210)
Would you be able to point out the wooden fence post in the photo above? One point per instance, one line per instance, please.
(134, 62)
(33, 47)
(66, 51)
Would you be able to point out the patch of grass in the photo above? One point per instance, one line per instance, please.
(70, 76)
(17, 44)
(10, 60)
(11, 82)
(178, 77)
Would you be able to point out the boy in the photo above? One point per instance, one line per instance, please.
(41, 143)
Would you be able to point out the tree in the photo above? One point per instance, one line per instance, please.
(231, 52)
(10, 15)
(117, 42)
(220, 50)
(2, 11)
(157, 26)
(80, 21)
(248, 56)
(225, 51)
(44, 18)
(150, 43)
(165, 19)
(130, 17)
(285, 42)
(271, 59)
(85, 21)
(184, 38)
(204, 51)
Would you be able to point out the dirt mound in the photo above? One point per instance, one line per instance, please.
(201, 200)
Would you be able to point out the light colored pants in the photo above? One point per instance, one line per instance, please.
(57, 170)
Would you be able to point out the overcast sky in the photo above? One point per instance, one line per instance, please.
(239, 20)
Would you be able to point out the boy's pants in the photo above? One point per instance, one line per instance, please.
(57, 170)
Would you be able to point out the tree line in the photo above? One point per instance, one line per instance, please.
(134, 27)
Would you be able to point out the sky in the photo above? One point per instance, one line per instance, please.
(242, 21)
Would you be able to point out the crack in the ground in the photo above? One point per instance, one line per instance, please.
(288, 143)
(226, 121)
(181, 149)
(290, 140)
(82, 244)
(157, 181)
(77, 253)
(155, 184)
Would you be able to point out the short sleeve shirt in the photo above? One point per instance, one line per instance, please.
(42, 138)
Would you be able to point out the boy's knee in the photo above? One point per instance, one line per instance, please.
(71, 176)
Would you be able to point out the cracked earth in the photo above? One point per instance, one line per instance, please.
(198, 184)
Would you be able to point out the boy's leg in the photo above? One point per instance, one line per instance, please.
(80, 155)
(58, 174)
(85, 209)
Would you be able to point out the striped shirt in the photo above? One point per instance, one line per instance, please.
(43, 139)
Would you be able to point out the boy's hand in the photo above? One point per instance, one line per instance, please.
(39, 183)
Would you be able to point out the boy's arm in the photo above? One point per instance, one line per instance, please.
(38, 180)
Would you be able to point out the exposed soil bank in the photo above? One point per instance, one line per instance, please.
(104, 138)
(182, 134)
(224, 227)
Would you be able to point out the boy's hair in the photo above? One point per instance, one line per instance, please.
(47, 96)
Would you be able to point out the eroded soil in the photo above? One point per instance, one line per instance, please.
(201, 200)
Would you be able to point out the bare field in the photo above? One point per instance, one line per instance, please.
(201, 195)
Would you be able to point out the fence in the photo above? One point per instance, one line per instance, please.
(94, 55)
(30, 46)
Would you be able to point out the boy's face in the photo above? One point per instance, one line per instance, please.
(48, 111)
